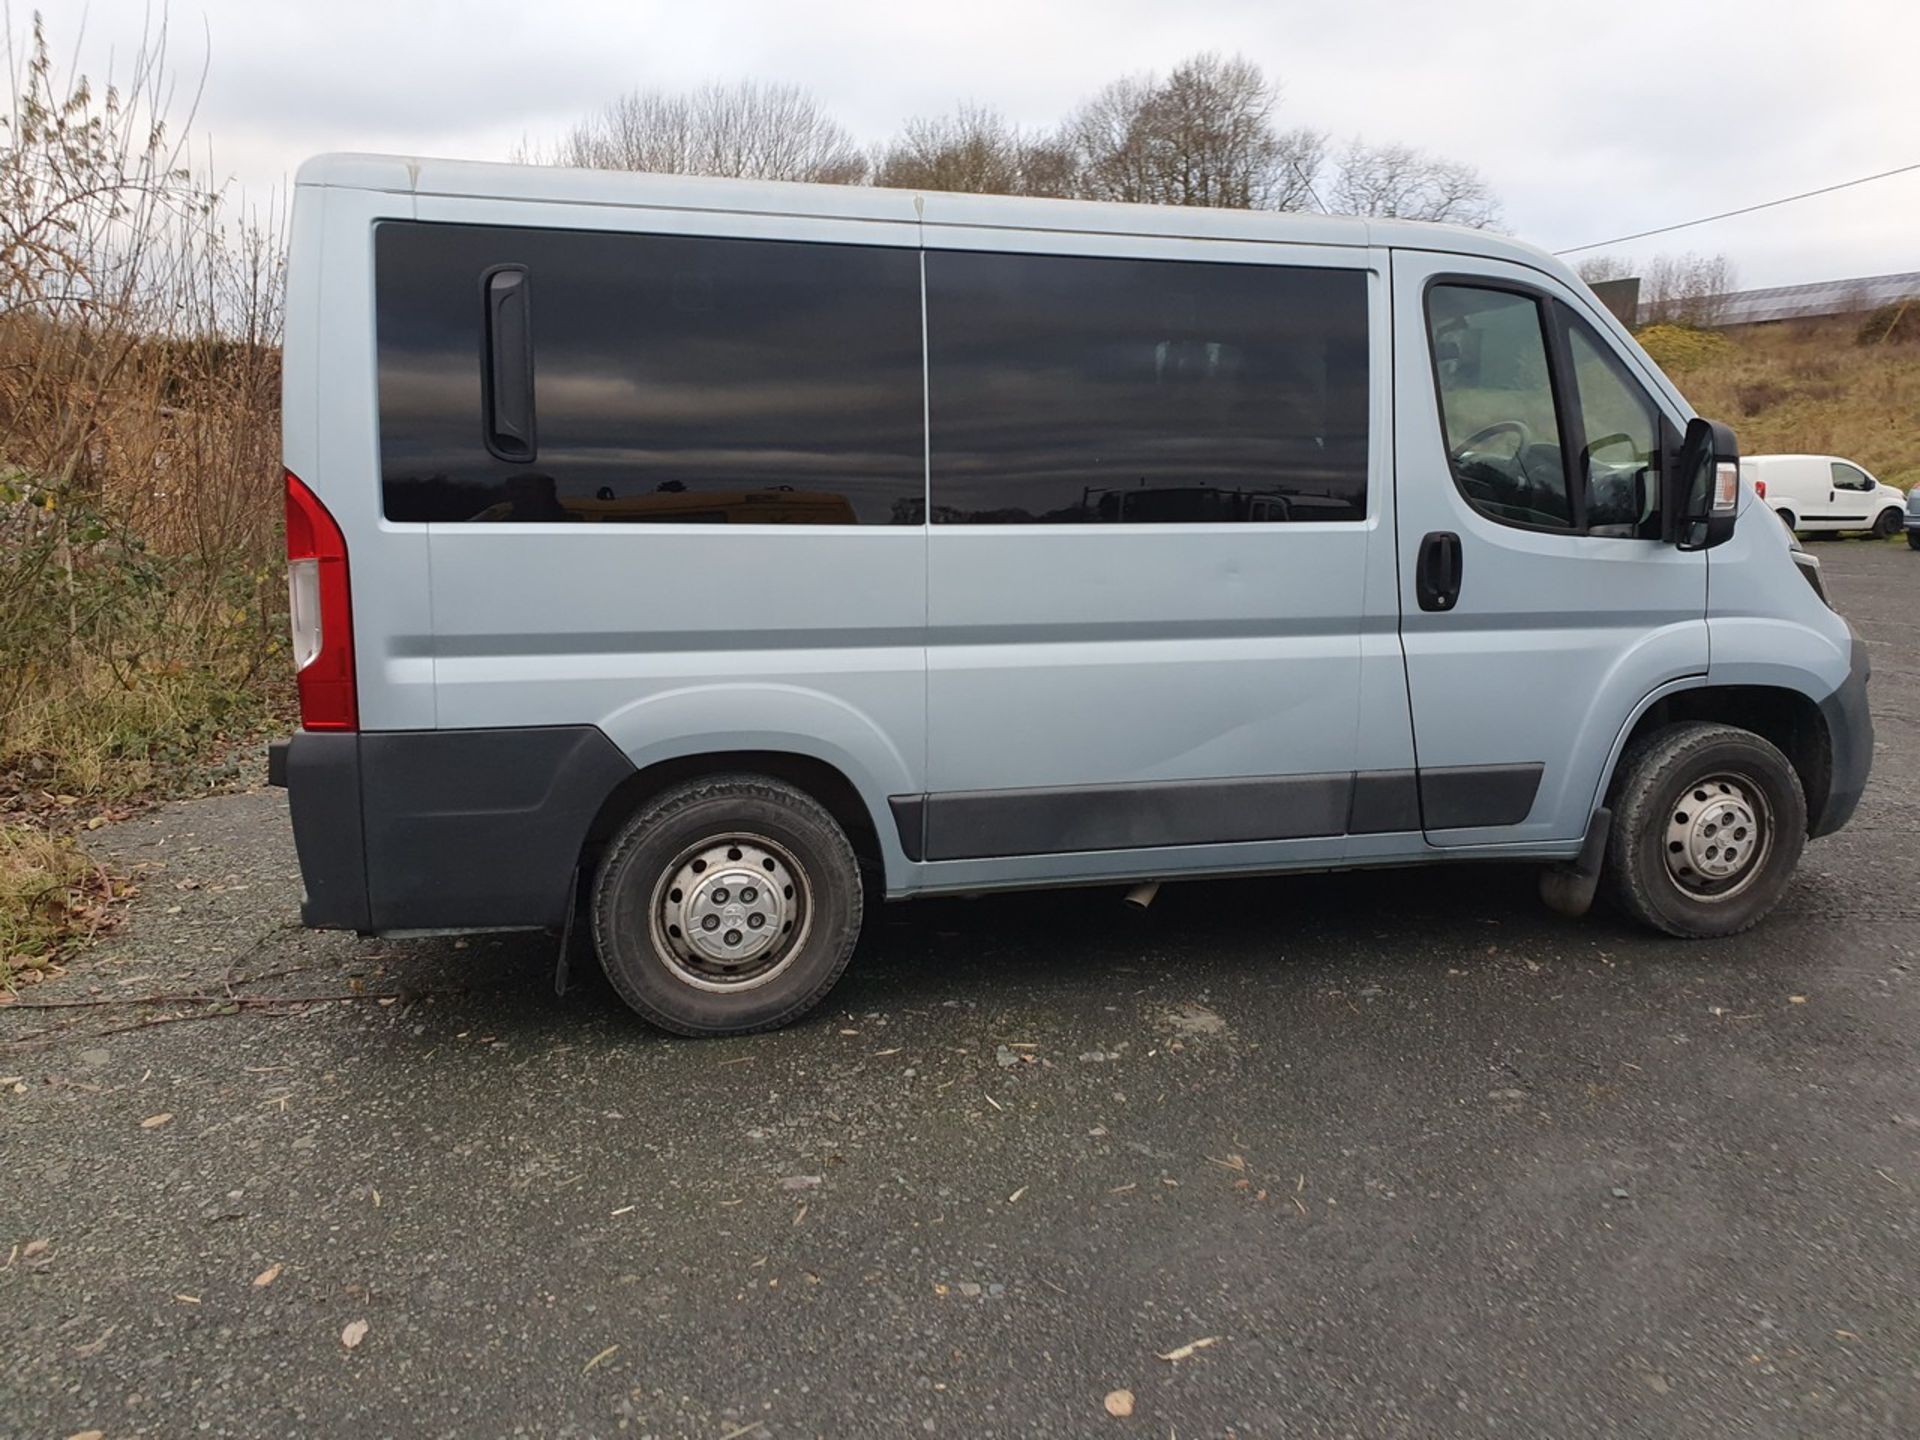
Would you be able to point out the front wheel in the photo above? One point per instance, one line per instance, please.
(1887, 524)
(727, 905)
(1709, 822)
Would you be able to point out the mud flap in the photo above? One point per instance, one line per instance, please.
(1569, 888)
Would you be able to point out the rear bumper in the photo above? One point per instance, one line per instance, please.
(443, 829)
(1850, 733)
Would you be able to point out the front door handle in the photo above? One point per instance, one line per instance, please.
(1436, 575)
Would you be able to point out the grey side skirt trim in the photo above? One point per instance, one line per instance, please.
(981, 824)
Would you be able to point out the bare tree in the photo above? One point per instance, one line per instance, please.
(974, 150)
(768, 132)
(1401, 182)
(1202, 136)
(1598, 269)
(1686, 290)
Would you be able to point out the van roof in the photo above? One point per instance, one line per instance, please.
(413, 175)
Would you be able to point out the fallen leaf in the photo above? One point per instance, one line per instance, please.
(188, 1299)
(154, 1122)
(355, 1332)
(1119, 1403)
(604, 1355)
(35, 1247)
(88, 1435)
(267, 1276)
(1015, 1197)
(1796, 999)
(1184, 1352)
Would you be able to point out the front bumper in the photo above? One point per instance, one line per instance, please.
(1850, 735)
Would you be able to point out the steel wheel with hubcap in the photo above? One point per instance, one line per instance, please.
(727, 905)
(1887, 523)
(1709, 821)
(1718, 837)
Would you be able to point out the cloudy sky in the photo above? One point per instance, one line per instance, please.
(1590, 121)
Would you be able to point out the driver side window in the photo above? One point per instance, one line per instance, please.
(1497, 404)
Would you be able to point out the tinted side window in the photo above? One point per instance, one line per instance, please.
(1065, 388)
(674, 378)
(1619, 439)
(1497, 403)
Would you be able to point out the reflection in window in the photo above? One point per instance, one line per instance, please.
(676, 379)
(1072, 389)
(1497, 404)
(1620, 441)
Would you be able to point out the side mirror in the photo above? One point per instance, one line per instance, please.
(1702, 488)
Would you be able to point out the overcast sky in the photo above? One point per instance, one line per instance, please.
(1589, 120)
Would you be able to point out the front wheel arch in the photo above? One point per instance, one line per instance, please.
(1786, 719)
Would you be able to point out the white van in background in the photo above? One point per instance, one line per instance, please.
(1814, 493)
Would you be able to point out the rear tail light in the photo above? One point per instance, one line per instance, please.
(321, 612)
(1760, 488)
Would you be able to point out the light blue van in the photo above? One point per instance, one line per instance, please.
(710, 559)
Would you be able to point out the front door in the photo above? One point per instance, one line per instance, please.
(1850, 496)
(1538, 604)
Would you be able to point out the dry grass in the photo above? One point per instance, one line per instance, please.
(52, 897)
(1805, 387)
(141, 592)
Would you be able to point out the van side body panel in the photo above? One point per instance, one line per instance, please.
(1015, 704)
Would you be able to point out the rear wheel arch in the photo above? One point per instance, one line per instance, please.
(818, 779)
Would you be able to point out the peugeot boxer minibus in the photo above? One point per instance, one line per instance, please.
(713, 559)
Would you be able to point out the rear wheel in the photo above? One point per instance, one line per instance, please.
(1787, 517)
(1913, 539)
(727, 905)
(1888, 523)
(1709, 822)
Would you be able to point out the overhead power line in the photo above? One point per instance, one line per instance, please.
(1743, 210)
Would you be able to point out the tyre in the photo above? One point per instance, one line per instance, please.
(1787, 517)
(1887, 523)
(1913, 539)
(727, 905)
(1708, 823)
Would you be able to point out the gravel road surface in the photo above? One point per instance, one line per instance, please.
(1393, 1154)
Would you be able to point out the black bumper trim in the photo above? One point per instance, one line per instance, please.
(1850, 736)
(446, 829)
(322, 774)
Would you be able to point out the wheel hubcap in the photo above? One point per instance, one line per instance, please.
(729, 913)
(1718, 833)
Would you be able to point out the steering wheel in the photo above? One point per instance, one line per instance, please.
(1516, 428)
